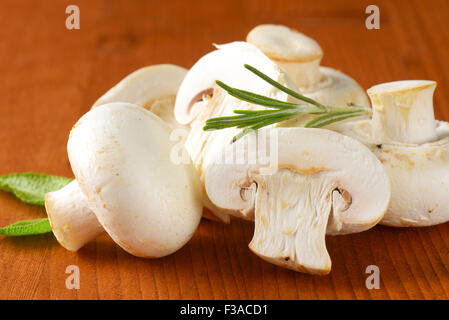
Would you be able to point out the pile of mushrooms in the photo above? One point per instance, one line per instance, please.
(391, 168)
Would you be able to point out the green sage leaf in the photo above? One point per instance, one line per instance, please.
(27, 228)
(32, 187)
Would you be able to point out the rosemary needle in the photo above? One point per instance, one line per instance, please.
(279, 86)
(327, 117)
(255, 98)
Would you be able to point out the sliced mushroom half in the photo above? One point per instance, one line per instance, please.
(226, 64)
(324, 181)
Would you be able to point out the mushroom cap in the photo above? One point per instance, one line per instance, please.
(153, 88)
(337, 89)
(401, 86)
(227, 64)
(344, 161)
(419, 176)
(285, 44)
(419, 180)
(72, 222)
(120, 155)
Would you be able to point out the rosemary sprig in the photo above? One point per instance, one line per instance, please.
(251, 120)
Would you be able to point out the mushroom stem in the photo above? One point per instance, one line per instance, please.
(297, 54)
(403, 111)
(300, 56)
(305, 74)
(291, 215)
(72, 222)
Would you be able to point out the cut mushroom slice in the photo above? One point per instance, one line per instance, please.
(120, 155)
(323, 182)
(403, 113)
(199, 99)
(299, 56)
(226, 64)
(153, 88)
(72, 222)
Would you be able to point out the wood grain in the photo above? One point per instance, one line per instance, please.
(50, 76)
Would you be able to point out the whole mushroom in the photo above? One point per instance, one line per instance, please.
(153, 88)
(323, 182)
(413, 147)
(120, 156)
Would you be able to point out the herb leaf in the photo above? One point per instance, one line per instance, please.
(27, 228)
(332, 117)
(32, 187)
(255, 98)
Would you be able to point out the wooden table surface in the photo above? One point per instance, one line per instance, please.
(50, 76)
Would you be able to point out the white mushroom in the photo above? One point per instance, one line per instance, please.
(414, 149)
(199, 99)
(153, 88)
(299, 56)
(323, 181)
(120, 155)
